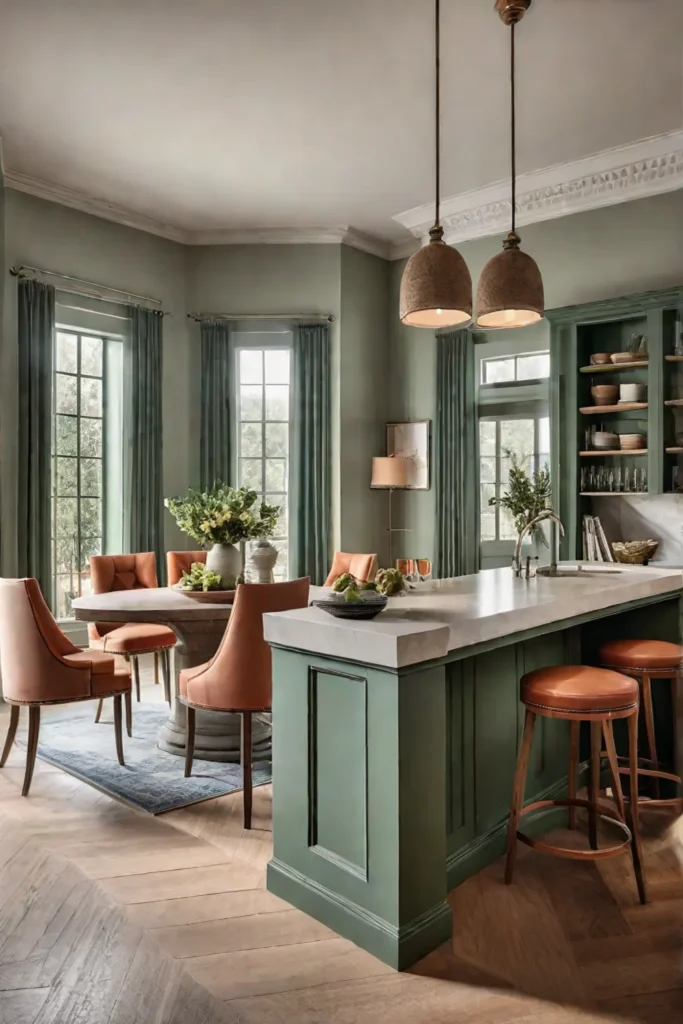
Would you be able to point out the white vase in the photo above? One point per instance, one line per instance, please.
(263, 559)
(226, 560)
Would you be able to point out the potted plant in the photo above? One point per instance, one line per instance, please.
(222, 518)
(528, 500)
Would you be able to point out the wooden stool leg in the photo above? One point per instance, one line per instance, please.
(594, 784)
(136, 675)
(128, 701)
(32, 746)
(189, 740)
(98, 713)
(646, 691)
(608, 733)
(573, 769)
(636, 848)
(518, 793)
(156, 668)
(246, 766)
(117, 728)
(677, 716)
(11, 732)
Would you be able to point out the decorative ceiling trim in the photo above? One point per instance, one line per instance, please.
(645, 168)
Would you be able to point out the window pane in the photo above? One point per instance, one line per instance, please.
(90, 517)
(281, 500)
(488, 525)
(533, 367)
(486, 491)
(544, 434)
(251, 402)
(66, 356)
(66, 517)
(277, 402)
(91, 437)
(66, 394)
(517, 436)
(91, 356)
(67, 477)
(277, 366)
(487, 470)
(91, 477)
(507, 526)
(496, 371)
(91, 397)
(65, 554)
(487, 437)
(281, 564)
(251, 474)
(276, 474)
(89, 546)
(64, 594)
(251, 366)
(66, 440)
(277, 440)
(251, 440)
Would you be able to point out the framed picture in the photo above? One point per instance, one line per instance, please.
(412, 440)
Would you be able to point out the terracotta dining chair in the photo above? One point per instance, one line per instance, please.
(40, 665)
(362, 567)
(239, 676)
(178, 562)
(130, 572)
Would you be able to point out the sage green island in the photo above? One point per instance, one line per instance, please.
(394, 741)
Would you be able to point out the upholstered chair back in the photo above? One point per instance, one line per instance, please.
(178, 562)
(363, 567)
(120, 572)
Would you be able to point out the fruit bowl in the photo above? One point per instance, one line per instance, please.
(370, 605)
(210, 596)
(635, 552)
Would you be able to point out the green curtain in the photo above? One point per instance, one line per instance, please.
(457, 498)
(214, 438)
(36, 347)
(311, 511)
(144, 474)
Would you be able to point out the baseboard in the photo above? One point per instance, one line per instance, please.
(399, 947)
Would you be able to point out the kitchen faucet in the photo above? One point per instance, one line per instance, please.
(555, 521)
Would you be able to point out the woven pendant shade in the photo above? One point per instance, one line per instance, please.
(436, 288)
(510, 291)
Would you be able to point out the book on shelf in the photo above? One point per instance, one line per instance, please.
(595, 546)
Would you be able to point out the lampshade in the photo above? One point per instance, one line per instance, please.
(436, 287)
(510, 291)
(391, 471)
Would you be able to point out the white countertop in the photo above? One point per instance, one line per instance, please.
(428, 623)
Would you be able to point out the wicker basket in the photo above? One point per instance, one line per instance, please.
(635, 552)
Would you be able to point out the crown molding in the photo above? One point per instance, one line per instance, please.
(640, 169)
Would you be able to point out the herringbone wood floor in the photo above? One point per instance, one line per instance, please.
(111, 916)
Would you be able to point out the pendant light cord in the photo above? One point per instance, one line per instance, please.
(513, 139)
(437, 109)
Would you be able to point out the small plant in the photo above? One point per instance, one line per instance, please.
(200, 578)
(223, 515)
(527, 495)
(390, 581)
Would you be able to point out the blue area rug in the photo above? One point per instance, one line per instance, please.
(151, 780)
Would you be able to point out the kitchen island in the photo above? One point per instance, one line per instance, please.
(395, 740)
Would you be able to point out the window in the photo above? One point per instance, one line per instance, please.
(528, 437)
(263, 433)
(513, 369)
(79, 440)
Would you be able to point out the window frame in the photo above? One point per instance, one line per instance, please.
(516, 380)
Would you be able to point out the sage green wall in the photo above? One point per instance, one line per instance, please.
(614, 251)
(48, 235)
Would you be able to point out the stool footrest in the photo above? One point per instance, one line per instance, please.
(605, 812)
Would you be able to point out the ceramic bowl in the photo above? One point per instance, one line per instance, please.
(631, 441)
(210, 596)
(605, 439)
(628, 357)
(600, 358)
(632, 392)
(605, 394)
(369, 607)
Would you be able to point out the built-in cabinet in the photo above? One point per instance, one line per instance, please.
(580, 473)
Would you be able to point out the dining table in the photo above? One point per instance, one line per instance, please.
(199, 626)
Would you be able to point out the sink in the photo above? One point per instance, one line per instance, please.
(574, 572)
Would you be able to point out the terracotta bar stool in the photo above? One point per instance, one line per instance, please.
(362, 567)
(40, 666)
(646, 660)
(579, 693)
(178, 562)
(130, 572)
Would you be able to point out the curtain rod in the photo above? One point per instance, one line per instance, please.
(22, 271)
(306, 317)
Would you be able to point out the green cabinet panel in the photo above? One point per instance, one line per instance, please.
(496, 698)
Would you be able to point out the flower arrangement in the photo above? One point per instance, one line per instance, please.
(200, 578)
(527, 496)
(223, 515)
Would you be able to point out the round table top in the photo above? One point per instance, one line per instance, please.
(154, 604)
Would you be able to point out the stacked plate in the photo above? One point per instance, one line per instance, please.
(604, 440)
(631, 442)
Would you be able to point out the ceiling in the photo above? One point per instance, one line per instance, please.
(246, 114)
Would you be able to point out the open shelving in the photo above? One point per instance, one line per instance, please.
(596, 452)
(637, 364)
(593, 410)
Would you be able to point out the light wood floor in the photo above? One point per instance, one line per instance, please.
(107, 915)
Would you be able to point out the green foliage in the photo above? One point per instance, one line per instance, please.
(342, 582)
(389, 581)
(223, 515)
(201, 578)
(351, 594)
(527, 496)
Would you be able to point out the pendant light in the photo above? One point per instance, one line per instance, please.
(436, 288)
(510, 292)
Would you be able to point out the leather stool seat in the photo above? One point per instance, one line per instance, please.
(641, 654)
(579, 688)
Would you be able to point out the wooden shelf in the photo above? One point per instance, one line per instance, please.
(595, 454)
(592, 410)
(674, 402)
(674, 359)
(674, 451)
(617, 367)
(609, 494)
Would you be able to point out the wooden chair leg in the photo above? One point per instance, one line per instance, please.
(189, 740)
(136, 675)
(128, 701)
(594, 784)
(518, 793)
(573, 768)
(245, 750)
(11, 732)
(608, 733)
(117, 728)
(166, 674)
(156, 668)
(98, 713)
(32, 746)
(636, 848)
(648, 712)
